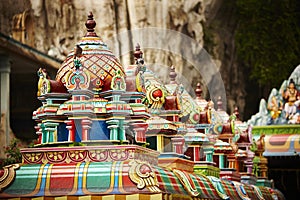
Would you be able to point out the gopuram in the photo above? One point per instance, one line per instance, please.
(107, 131)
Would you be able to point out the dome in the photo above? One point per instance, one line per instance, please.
(90, 65)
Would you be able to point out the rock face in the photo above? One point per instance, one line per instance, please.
(56, 25)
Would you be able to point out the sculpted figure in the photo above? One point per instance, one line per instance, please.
(290, 95)
(275, 108)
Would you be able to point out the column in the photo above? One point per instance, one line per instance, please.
(249, 166)
(221, 161)
(232, 161)
(86, 125)
(113, 126)
(71, 127)
(208, 150)
(140, 130)
(5, 68)
(249, 161)
(121, 135)
(178, 143)
(38, 131)
(51, 131)
(160, 142)
(196, 150)
(263, 167)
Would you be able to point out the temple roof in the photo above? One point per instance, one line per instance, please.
(124, 178)
(96, 59)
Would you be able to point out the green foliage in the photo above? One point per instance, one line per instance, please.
(267, 38)
(13, 154)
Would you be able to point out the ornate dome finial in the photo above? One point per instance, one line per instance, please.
(90, 25)
(172, 75)
(138, 53)
(220, 103)
(198, 91)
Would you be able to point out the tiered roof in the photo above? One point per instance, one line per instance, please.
(114, 132)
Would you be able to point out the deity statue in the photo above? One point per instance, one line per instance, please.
(275, 107)
(290, 95)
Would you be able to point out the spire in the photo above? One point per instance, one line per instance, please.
(172, 75)
(220, 104)
(90, 25)
(198, 91)
(138, 53)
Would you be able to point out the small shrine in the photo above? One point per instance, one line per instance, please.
(276, 129)
(107, 131)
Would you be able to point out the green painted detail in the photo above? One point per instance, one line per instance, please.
(26, 174)
(96, 183)
(276, 129)
(207, 170)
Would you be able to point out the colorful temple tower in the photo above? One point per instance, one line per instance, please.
(111, 132)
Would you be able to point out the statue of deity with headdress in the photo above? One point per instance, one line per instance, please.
(291, 97)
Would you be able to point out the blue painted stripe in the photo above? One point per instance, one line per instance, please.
(116, 178)
(43, 181)
(80, 179)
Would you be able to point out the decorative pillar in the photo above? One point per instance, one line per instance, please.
(249, 162)
(113, 126)
(71, 127)
(38, 131)
(221, 161)
(196, 150)
(121, 129)
(263, 167)
(5, 68)
(209, 150)
(178, 143)
(85, 124)
(51, 131)
(160, 142)
(232, 161)
(140, 130)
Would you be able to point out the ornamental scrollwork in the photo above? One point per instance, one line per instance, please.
(143, 176)
(98, 155)
(56, 156)
(33, 157)
(8, 176)
(77, 156)
(118, 154)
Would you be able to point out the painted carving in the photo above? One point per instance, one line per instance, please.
(143, 175)
(155, 96)
(118, 82)
(8, 176)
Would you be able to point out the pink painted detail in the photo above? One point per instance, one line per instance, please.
(178, 143)
(140, 129)
(85, 123)
(118, 154)
(98, 155)
(77, 155)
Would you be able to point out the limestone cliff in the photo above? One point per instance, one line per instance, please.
(55, 26)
